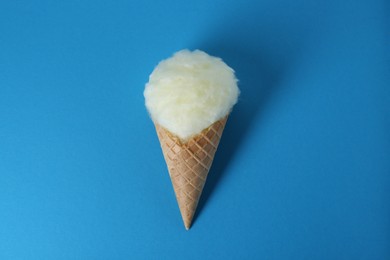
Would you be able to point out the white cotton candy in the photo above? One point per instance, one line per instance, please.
(189, 92)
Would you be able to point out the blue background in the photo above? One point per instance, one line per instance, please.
(303, 169)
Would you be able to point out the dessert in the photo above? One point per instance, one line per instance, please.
(189, 97)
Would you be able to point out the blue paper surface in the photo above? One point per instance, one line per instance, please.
(303, 168)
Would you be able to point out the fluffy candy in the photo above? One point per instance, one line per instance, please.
(190, 91)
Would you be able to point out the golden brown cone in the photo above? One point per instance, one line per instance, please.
(189, 163)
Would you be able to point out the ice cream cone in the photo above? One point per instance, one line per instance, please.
(189, 97)
(188, 164)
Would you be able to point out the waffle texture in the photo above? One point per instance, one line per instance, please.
(189, 163)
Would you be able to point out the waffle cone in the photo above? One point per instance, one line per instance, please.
(189, 163)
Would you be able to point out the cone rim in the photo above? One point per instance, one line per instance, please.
(193, 137)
